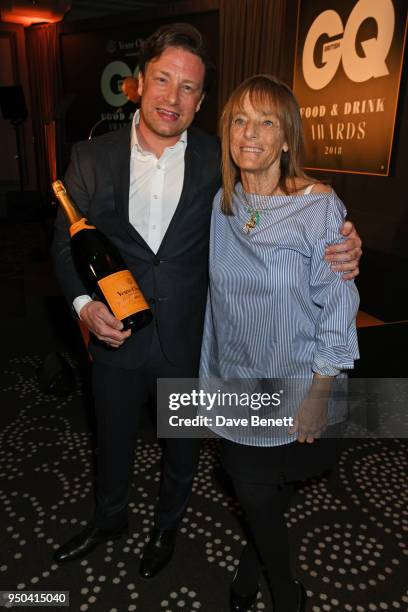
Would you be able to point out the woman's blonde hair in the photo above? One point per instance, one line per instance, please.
(264, 92)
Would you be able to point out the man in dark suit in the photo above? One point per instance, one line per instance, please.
(149, 188)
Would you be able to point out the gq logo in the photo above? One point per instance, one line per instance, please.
(111, 81)
(358, 69)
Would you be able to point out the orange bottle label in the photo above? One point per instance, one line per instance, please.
(122, 294)
(79, 225)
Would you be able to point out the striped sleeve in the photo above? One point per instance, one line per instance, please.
(336, 336)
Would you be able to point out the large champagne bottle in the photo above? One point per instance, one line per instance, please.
(102, 268)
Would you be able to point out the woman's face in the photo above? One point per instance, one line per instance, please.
(257, 139)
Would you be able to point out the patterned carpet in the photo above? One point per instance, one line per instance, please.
(348, 532)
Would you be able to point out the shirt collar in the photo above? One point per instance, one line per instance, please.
(134, 143)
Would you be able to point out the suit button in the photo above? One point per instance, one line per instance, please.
(151, 301)
(156, 262)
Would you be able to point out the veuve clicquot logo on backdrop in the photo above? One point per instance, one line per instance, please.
(102, 268)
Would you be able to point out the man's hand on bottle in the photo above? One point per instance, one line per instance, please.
(103, 324)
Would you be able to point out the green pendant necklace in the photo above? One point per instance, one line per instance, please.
(253, 220)
(254, 214)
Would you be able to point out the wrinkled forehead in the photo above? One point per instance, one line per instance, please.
(262, 101)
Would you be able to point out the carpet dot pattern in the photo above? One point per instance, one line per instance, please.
(348, 531)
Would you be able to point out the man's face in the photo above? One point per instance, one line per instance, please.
(172, 92)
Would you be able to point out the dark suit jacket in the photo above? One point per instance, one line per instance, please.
(175, 280)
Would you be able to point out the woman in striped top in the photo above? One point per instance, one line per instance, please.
(275, 310)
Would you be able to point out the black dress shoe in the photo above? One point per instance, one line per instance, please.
(302, 597)
(85, 541)
(241, 603)
(157, 552)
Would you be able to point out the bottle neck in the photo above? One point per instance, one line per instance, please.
(71, 211)
(80, 225)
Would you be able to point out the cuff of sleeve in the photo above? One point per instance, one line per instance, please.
(80, 302)
(325, 369)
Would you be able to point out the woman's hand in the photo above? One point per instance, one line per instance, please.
(311, 419)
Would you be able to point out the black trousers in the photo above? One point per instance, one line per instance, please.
(119, 396)
(268, 544)
(264, 480)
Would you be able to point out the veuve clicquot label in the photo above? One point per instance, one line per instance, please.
(122, 294)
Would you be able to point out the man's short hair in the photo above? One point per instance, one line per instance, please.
(182, 35)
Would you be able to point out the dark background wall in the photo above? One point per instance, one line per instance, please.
(13, 70)
(377, 205)
(245, 36)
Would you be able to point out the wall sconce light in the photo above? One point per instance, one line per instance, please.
(26, 12)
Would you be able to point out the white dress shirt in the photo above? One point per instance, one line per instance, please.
(154, 191)
(155, 187)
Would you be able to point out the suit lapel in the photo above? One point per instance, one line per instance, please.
(191, 171)
(120, 168)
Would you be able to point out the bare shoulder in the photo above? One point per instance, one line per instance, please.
(307, 185)
(321, 188)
